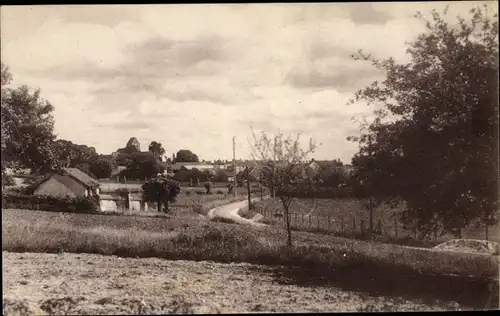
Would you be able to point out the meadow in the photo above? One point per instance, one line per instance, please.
(351, 217)
(185, 235)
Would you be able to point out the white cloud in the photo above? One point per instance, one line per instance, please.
(193, 76)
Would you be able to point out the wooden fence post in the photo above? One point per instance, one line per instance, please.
(396, 228)
(328, 222)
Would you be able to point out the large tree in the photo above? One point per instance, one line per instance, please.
(156, 149)
(101, 168)
(434, 142)
(142, 166)
(69, 154)
(161, 190)
(27, 127)
(185, 155)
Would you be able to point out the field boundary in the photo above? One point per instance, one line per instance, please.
(352, 225)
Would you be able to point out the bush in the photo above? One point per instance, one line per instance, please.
(7, 180)
(51, 203)
(219, 219)
(208, 186)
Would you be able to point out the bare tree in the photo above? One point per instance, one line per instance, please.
(283, 162)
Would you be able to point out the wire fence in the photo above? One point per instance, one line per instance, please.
(358, 225)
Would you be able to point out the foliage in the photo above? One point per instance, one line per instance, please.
(125, 155)
(161, 190)
(142, 166)
(193, 175)
(207, 186)
(27, 127)
(220, 176)
(433, 142)
(51, 203)
(156, 149)
(230, 188)
(7, 180)
(331, 176)
(283, 171)
(101, 168)
(69, 154)
(185, 155)
(182, 175)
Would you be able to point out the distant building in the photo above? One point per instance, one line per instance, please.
(133, 142)
(191, 165)
(71, 183)
(230, 176)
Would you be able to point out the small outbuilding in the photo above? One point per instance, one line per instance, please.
(71, 182)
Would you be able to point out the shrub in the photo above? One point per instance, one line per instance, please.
(207, 186)
(51, 203)
(219, 219)
(7, 180)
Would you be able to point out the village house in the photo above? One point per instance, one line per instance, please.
(230, 176)
(72, 182)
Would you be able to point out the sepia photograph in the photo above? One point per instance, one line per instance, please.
(250, 158)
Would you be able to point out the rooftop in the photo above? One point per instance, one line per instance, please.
(81, 176)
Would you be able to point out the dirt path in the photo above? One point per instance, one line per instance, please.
(230, 211)
(88, 284)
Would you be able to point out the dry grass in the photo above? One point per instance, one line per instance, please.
(87, 284)
(371, 266)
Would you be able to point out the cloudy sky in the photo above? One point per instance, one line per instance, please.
(194, 76)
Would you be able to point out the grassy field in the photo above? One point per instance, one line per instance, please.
(370, 267)
(188, 197)
(349, 216)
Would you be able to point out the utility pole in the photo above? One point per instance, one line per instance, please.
(234, 166)
(274, 168)
(248, 189)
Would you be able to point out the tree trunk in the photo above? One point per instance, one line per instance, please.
(288, 228)
(166, 206)
(158, 205)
